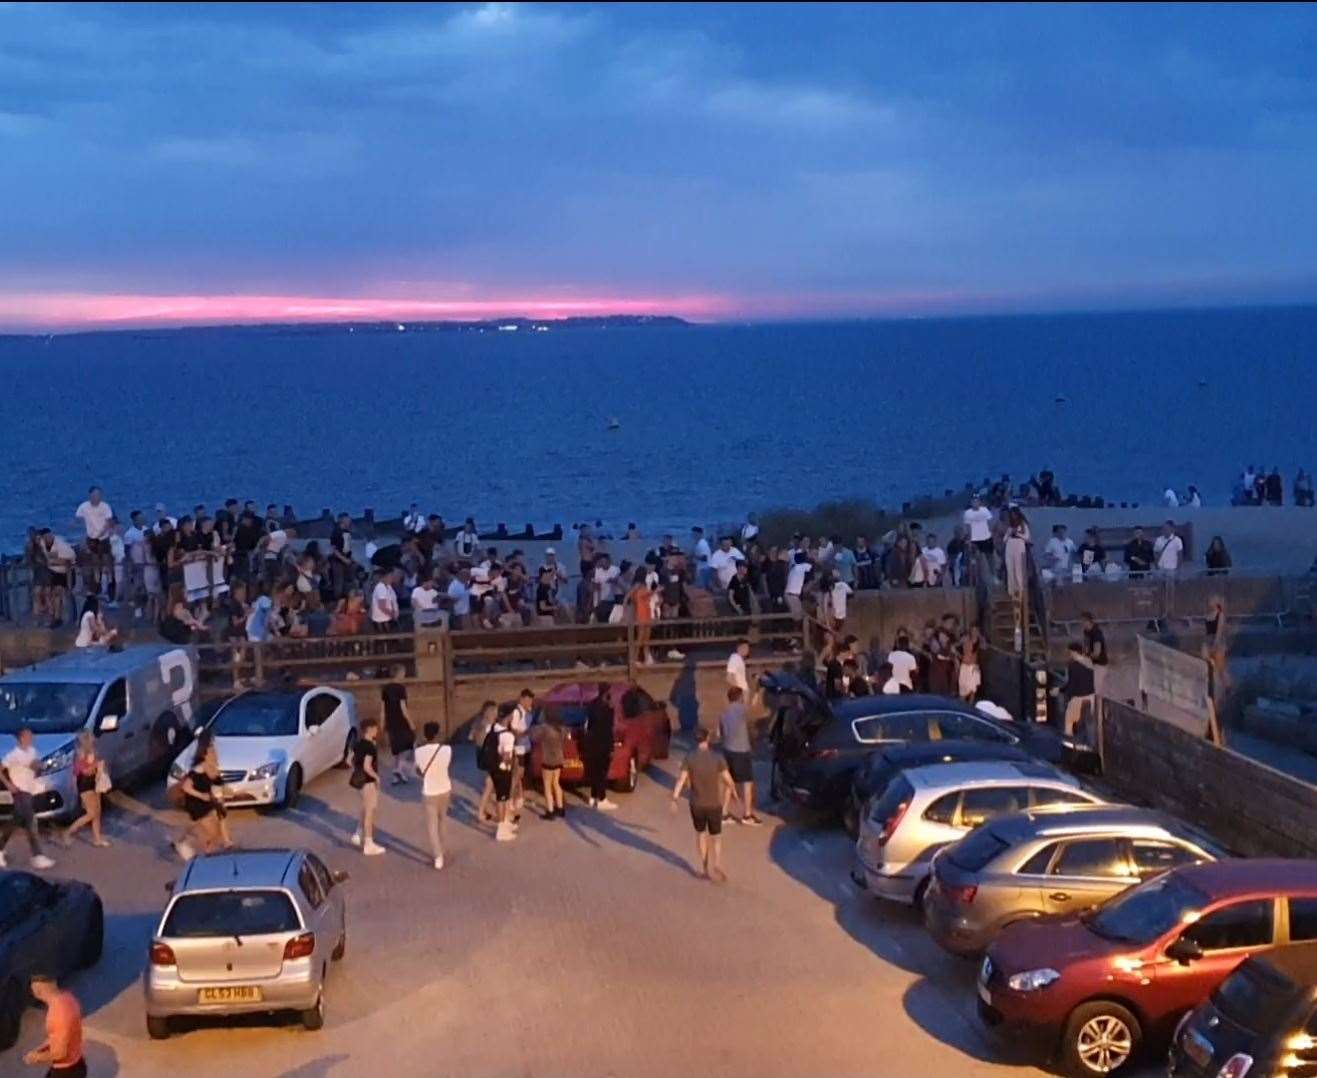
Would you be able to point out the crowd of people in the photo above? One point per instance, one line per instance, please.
(1257, 486)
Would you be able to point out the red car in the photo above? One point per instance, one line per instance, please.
(1098, 986)
(641, 731)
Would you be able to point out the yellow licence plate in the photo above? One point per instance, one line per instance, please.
(231, 994)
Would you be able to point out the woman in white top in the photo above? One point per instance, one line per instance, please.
(92, 630)
(431, 762)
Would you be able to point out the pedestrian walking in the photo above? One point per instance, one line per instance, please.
(18, 774)
(705, 771)
(61, 1054)
(201, 794)
(501, 746)
(365, 779)
(485, 752)
(549, 736)
(432, 762)
(1079, 687)
(969, 675)
(597, 748)
(734, 733)
(519, 722)
(92, 779)
(399, 726)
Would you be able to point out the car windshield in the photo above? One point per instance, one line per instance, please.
(1253, 999)
(231, 913)
(976, 849)
(1148, 911)
(46, 707)
(256, 719)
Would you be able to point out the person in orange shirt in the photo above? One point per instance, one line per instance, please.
(62, 1052)
(640, 599)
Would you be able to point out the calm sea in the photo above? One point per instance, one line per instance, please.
(714, 421)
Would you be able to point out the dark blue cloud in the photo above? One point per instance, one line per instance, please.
(812, 151)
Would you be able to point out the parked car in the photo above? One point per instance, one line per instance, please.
(247, 931)
(1043, 863)
(137, 701)
(926, 808)
(818, 745)
(47, 926)
(638, 738)
(1261, 1021)
(631, 704)
(1098, 987)
(871, 777)
(271, 744)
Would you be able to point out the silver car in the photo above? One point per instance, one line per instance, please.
(247, 931)
(925, 808)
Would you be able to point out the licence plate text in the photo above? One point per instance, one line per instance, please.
(230, 994)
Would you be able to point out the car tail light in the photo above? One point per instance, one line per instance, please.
(821, 754)
(963, 895)
(162, 955)
(300, 946)
(893, 822)
(1237, 1066)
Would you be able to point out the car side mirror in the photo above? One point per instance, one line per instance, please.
(1184, 951)
(341, 876)
(108, 724)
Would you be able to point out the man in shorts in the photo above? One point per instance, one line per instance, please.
(710, 783)
(95, 515)
(734, 733)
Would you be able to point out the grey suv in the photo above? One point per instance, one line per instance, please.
(247, 931)
(1044, 862)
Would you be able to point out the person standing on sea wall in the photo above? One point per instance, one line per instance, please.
(1017, 552)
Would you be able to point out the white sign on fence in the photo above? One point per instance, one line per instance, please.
(1175, 677)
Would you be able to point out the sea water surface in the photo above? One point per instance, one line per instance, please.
(714, 420)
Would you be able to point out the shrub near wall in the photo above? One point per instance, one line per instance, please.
(1253, 809)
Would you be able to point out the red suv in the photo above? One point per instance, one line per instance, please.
(1098, 986)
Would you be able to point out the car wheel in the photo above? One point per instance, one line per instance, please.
(157, 1028)
(292, 787)
(315, 1017)
(93, 941)
(12, 1005)
(920, 892)
(1100, 1038)
(168, 739)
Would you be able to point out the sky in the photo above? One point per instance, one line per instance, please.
(166, 164)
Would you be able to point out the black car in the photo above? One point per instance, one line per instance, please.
(46, 926)
(1259, 1023)
(872, 776)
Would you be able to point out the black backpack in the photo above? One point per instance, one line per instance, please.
(487, 756)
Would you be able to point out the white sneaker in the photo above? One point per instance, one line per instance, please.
(4, 863)
(607, 805)
(438, 862)
(372, 849)
(650, 660)
(356, 838)
(505, 833)
(594, 803)
(42, 861)
(137, 615)
(673, 653)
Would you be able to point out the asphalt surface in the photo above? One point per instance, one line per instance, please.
(587, 947)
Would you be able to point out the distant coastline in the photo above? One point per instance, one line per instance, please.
(328, 329)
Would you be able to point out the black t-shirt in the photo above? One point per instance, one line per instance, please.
(223, 522)
(1091, 554)
(599, 725)
(738, 591)
(362, 750)
(189, 542)
(246, 535)
(1138, 555)
(161, 544)
(672, 590)
(775, 577)
(1095, 646)
(387, 557)
(341, 541)
(394, 696)
(1079, 680)
(832, 680)
(544, 604)
(175, 631)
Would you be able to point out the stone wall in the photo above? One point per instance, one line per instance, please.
(1253, 809)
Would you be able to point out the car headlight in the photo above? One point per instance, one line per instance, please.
(267, 771)
(58, 760)
(1032, 980)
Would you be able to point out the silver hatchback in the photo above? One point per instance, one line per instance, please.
(247, 931)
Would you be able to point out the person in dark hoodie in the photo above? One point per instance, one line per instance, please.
(597, 748)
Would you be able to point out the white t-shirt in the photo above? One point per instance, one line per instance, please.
(934, 564)
(604, 582)
(891, 687)
(1059, 553)
(702, 552)
(1171, 499)
(980, 523)
(424, 600)
(840, 590)
(95, 518)
(383, 603)
(117, 547)
(86, 631)
(796, 577)
(135, 539)
(278, 539)
(749, 533)
(433, 760)
(723, 562)
(21, 764)
(736, 672)
(1168, 550)
(903, 667)
(60, 551)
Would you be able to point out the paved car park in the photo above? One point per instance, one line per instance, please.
(587, 947)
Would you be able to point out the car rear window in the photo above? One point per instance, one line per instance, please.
(1254, 998)
(975, 850)
(898, 791)
(231, 913)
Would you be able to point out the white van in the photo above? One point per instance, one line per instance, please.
(138, 702)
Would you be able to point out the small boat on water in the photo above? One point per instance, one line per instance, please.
(1061, 400)
(614, 423)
